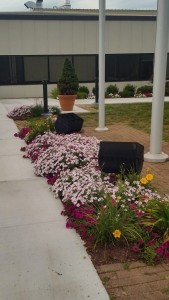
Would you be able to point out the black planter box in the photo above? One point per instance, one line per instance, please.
(117, 157)
(68, 123)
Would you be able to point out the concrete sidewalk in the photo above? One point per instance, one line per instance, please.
(39, 258)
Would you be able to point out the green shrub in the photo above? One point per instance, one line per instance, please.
(112, 89)
(146, 89)
(68, 83)
(54, 93)
(129, 87)
(126, 94)
(36, 110)
(82, 95)
(128, 91)
(83, 89)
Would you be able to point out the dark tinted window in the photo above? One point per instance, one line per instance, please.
(35, 68)
(4, 69)
(111, 67)
(55, 67)
(146, 66)
(84, 67)
(127, 67)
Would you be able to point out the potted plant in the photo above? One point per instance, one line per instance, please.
(67, 86)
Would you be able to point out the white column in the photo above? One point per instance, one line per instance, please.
(101, 66)
(156, 154)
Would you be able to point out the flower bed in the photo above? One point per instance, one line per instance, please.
(105, 209)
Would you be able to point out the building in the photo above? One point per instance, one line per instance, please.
(34, 45)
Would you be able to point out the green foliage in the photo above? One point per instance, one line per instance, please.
(68, 82)
(126, 94)
(36, 110)
(157, 217)
(112, 218)
(149, 254)
(83, 92)
(83, 89)
(146, 89)
(128, 91)
(39, 128)
(54, 110)
(81, 95)
(112, 89)
(54, 93)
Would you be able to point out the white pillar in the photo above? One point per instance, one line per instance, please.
(156, 154)
(101, 66)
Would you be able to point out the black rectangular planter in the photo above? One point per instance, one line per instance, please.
(115, 157)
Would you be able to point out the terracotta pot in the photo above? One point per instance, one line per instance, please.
(67, 102)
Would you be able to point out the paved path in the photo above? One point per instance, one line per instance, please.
(136, 280)
(39, 258)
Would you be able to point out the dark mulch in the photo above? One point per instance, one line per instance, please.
(102, 255)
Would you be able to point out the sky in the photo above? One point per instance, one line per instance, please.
(18, 5)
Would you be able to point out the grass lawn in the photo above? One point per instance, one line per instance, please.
(137, 115)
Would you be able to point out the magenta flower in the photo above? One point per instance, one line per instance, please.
(140, 242)
(133, 206)
(135, 248)
(165, 245)
(159, 250)
(167, 254)
(150, 243)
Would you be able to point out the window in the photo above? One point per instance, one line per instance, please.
(111, 67)
(127, 67)
(4, 69)
(146, 66)
(35, 68)
(55, 67)
(84, 67)
(17, 69)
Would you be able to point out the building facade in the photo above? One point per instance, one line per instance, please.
(35, 44)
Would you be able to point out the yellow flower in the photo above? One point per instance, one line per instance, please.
(117, 233)
(143, 180)
(149, 177)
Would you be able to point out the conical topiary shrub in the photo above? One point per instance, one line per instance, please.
(68, 83)
(67, 86)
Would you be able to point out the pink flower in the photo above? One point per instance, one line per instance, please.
(135, 248)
